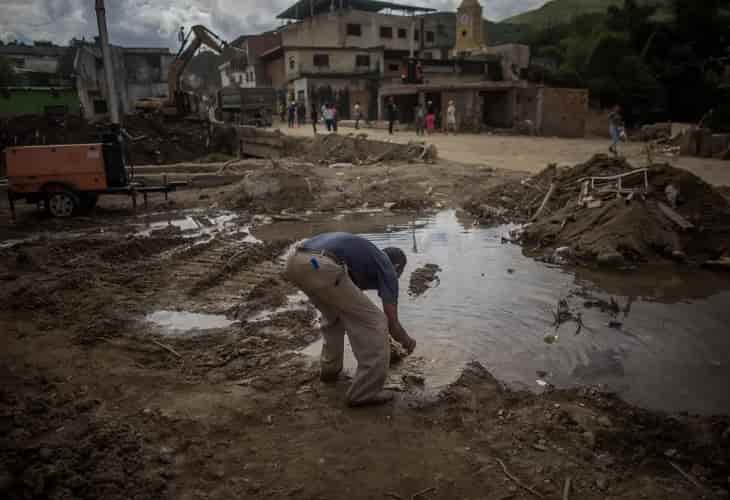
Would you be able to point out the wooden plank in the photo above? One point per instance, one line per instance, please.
(675, 217)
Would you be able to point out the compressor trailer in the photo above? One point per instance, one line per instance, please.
(69, 178)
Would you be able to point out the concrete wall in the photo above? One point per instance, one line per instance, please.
(340, 62)
(516, 54)
(39, 64)
(564, 112)
(330, 30)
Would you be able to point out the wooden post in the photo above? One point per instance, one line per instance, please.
(144, 195)
(134, 200)
(544, 202)
(164, 181)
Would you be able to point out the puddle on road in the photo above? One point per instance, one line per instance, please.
(670, 353)
(296, 302)
(196, 224)
(187, 323)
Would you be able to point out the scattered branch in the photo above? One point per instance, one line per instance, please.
(168, 349)
(517, 481)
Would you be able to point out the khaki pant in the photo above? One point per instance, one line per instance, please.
(345, 309)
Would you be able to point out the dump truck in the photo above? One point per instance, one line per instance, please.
(69, 178)
(247, 106)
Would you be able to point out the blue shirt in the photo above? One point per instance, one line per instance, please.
(368, 267)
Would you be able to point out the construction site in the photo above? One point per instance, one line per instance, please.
(570, 302)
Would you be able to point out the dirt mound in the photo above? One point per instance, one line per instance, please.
(278, 187)
(676, 215)
(152, 140)
(422, 278)
(357, 149)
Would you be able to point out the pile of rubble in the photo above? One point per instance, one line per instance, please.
(332, 149)
(150, 139)
(608, 212)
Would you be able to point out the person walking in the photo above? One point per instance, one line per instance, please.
(615, 128)
(292, 114)
(420, 114)
(333, 269)
(327, 116)
(451, 118)
(358, 115)
(334, 117)
(430, 118)
(301, 114)
(391, 111)
(313, 116)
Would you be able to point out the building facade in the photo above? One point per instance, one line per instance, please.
(244, 67)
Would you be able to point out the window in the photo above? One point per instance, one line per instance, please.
(354, 30)
(430, 37)
(416, 35)
(363, 60)
(292, 63)
(321, 60)
(386, 32)
(427, 55)
(19, 62)
(402, 33)
(393, 67)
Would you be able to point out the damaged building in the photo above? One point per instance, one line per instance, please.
(71, 79)
(358, 51)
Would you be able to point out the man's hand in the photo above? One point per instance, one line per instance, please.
(409, 345)
(396, 330)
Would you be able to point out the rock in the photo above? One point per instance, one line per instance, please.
(604, 421)
(602, 482)
(610, 259)
(590, 439)
(679, 256)
(414, 380)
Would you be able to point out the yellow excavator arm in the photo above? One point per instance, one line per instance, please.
(201, 36)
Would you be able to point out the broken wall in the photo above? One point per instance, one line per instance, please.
(564, 112)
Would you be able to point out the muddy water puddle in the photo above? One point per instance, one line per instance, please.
(659, 338)
(187, 323)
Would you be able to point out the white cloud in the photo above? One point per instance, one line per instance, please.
(156, 22)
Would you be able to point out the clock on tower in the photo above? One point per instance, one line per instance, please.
(469, 26)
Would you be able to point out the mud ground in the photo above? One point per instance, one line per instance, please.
(96, 402)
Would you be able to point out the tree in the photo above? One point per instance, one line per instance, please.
(7, 74)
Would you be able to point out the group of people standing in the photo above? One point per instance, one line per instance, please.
(425, 115)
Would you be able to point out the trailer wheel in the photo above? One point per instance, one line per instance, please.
(62, 203)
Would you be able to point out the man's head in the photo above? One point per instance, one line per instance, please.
(397, 258)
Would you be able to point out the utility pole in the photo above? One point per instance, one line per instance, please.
(112, 100)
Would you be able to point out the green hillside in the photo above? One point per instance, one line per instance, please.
(560, 11)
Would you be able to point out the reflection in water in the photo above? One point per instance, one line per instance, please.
(671, 351)
(182, 322)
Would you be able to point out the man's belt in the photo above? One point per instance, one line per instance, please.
(323, 253)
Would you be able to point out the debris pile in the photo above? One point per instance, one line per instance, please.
(359, 150)
(150, 139)
(606, 211)
(703, 143)
(422, 278)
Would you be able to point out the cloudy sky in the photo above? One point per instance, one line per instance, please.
(155, 22)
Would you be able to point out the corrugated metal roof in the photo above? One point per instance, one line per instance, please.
(304, 8)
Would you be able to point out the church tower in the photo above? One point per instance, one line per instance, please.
(470, 34)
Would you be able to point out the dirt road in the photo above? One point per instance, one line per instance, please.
(532, 154)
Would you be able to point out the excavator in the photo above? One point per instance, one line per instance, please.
(179, 102)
